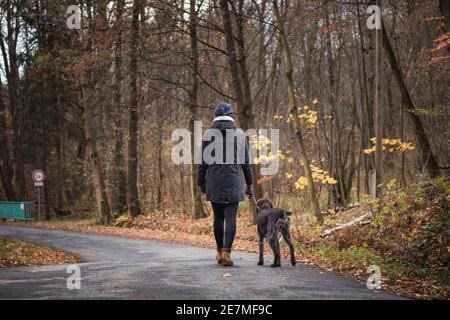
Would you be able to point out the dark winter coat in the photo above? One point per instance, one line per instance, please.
(224, 182)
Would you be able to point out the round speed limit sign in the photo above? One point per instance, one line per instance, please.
(38, 176)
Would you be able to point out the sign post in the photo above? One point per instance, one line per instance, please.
(38, 177)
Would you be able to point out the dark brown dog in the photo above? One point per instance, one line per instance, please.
(272, 221)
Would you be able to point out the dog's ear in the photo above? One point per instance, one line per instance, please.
(288, 213)
(270, 202)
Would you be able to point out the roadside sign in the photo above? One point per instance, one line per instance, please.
(38, 176)
(39, 185)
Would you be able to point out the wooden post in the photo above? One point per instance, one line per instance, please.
(372, 183)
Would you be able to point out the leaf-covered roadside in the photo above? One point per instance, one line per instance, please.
(408, 238)
(14, 253)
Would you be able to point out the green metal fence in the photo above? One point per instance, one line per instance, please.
(23, 211)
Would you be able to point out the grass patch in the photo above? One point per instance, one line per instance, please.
(356, 257)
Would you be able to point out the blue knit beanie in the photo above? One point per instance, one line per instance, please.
(223, 109)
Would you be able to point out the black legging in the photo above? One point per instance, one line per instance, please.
(225, 212)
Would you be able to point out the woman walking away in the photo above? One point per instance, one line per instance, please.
(222, 177)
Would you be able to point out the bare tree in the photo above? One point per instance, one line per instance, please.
(119, 159)
(198, 211)
(239, 73)
(429, 160)
(378, 101)
(294, 112)
(133, 196)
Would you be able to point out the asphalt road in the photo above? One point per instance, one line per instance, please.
(121, 268)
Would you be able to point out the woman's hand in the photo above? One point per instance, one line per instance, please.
(249, 190)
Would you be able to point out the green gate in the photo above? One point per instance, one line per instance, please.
(23, 211)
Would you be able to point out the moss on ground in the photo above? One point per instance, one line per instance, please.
(408, 238)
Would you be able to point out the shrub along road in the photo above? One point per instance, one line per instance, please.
(120, 268)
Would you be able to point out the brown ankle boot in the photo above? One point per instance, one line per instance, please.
(219, 256)
(226, 260)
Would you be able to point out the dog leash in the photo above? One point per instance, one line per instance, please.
(255, 203)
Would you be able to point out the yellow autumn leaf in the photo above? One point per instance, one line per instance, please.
(301, 183)
(393, 142)
(331, 181)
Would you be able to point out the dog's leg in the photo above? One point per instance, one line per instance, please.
(287, 237)
(275, 245)
(276, 252)
(261, 251)
(261, 246)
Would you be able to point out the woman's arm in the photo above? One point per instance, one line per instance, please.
(202, 168)
(247, 167)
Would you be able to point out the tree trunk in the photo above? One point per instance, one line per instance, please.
(91, 140)
(60, 165)
(6, 171)
(429, 160)
(99, 182)
(198, 211)
(12, 74)
(160, 169)
(247, 114)
(378, 107)
(133, 196)
(119, 158)
(240, 80)
(294, 112)
(365, 123)
(60, 173)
